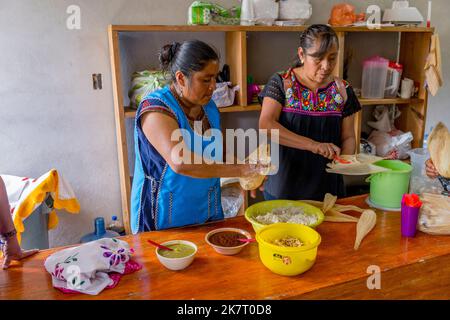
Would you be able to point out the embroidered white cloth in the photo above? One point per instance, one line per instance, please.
(85, 268)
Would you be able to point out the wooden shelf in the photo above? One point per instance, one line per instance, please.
(131, 113)
(413, 51)
(368, 102)
(235, 28)
(252, 107)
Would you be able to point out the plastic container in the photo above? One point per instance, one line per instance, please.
(36, 227)
(288, 261)
(116, 226)
(247, 13)
(393, 79)
(374, 77)
(387, 188)
(264, 207)
(418, 157)
(409, 219)
(99, 232)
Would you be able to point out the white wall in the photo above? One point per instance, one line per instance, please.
(52, 118)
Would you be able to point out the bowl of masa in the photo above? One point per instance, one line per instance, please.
(180, 257)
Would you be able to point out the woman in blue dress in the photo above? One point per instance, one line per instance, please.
(166, 192)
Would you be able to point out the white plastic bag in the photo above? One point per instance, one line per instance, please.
(295, 10)
(232, 200)
(392, 145)
(385, 117)
(266, 11)
(224, 94)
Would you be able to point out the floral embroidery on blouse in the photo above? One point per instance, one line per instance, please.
(301, 98)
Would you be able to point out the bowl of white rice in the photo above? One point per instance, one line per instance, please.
(265, 213)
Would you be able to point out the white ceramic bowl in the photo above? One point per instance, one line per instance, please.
(228, 250)
(177, 263)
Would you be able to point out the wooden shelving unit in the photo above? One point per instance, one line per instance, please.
(414, 48)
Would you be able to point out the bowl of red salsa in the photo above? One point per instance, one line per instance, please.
(226, 240)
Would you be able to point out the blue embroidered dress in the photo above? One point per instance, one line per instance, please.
(160, 197)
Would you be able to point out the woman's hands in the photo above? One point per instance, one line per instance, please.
(327, 150)
(12, 251)
(430, 169)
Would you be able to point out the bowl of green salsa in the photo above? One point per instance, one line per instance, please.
(180, 257)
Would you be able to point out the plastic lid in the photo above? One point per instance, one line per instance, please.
(114, 218)
(376, 60)
(249, 79)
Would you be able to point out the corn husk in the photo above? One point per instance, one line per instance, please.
(439, 147)
(328, 207)
(333, 215)
(328, 202)
(366, 223)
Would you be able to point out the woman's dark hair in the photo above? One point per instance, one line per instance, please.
(317, 32)
(188, 57)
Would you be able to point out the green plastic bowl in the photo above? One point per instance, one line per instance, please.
(267, 206)
(387, 188)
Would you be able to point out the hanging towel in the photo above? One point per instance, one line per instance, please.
(26, 194)
(91, 267)
(433, 66)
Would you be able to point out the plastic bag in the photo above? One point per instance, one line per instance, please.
(295, 10)
(224, 94)
(420, 182)
(392, 145)
(385, 117)
(204, 13)
(232, 200)
(144, 83)
(367, 147)
(435, 214)
(343, 14)
(266, 11)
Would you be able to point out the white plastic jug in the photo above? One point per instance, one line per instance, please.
(374, 77)
(247, 13)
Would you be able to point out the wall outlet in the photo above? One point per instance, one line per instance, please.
(97, 81)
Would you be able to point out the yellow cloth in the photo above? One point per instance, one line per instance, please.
(62, 195)
(433, 66)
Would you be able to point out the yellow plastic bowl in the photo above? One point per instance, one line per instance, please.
(288, 261)
(267, 206)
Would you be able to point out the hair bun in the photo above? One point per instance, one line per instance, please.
(168, 53)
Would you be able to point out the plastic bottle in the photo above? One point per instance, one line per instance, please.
(116, 226)
(252, 91)
(99, 232)
(247, 13)
(425, 139)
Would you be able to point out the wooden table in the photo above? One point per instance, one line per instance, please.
(411, 268)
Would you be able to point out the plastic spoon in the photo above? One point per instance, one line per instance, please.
(160, 246)
(247, 240)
